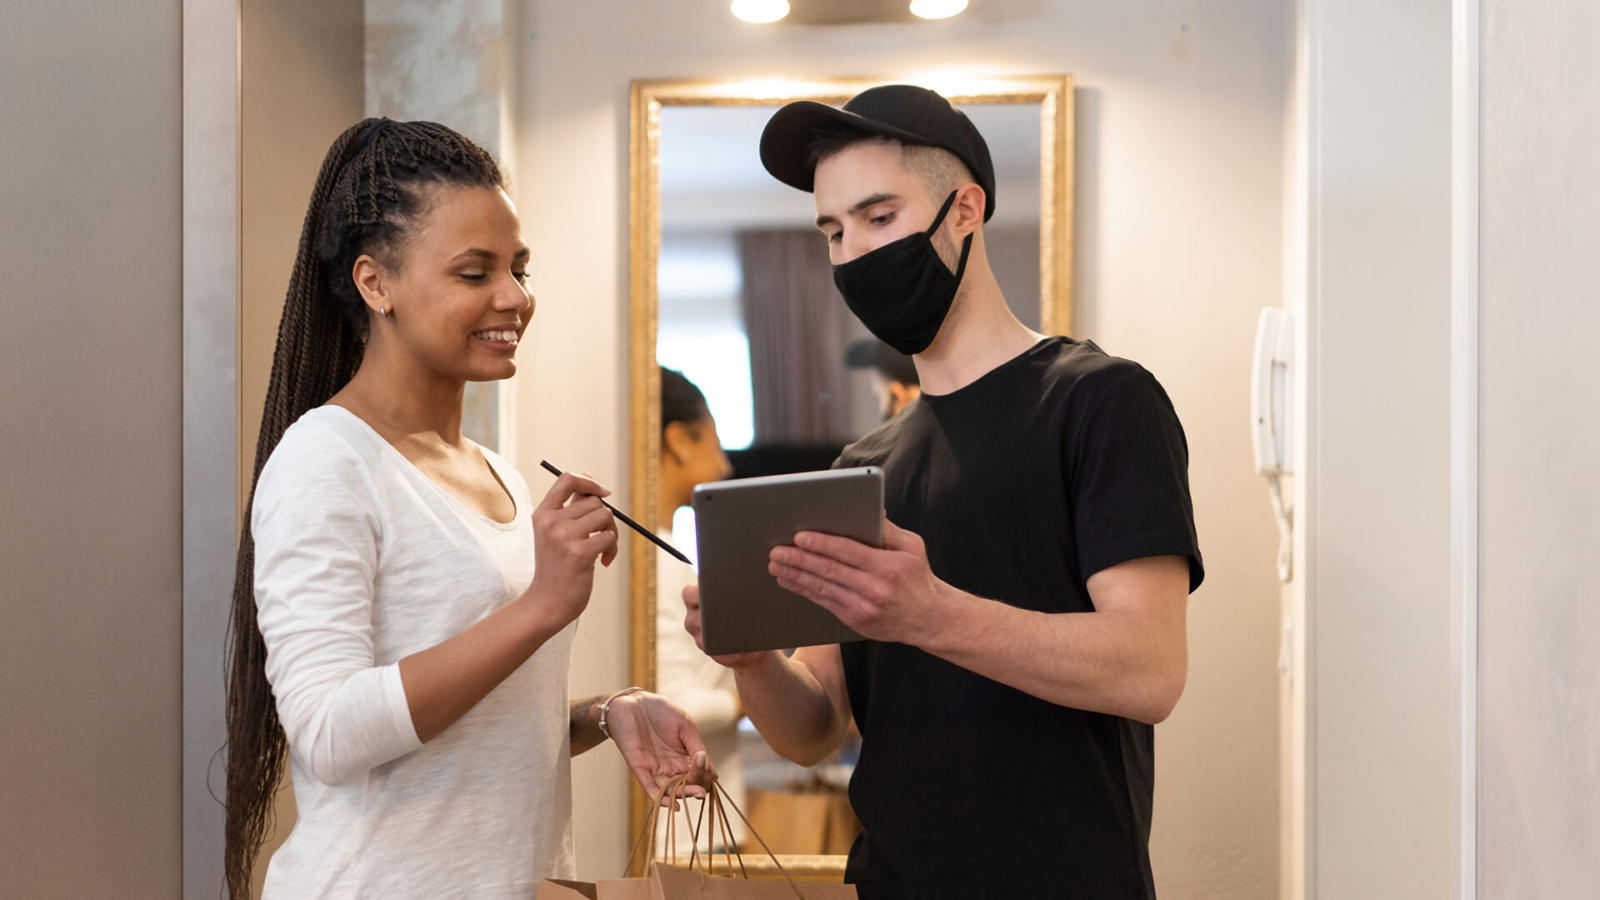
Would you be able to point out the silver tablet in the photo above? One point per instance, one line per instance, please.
(737, 523)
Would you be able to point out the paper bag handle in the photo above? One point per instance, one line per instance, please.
(675, 786)
(674, 789)
(715, 797)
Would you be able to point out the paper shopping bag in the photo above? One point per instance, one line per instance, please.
(843, 826)
(614, 889)
(670, 882)
(676, 883)
(813, 819)
(790, 821)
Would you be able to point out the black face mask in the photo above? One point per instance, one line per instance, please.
(902, 291)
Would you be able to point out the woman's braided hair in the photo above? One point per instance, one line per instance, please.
(369, 198)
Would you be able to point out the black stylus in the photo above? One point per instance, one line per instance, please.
(629, 522)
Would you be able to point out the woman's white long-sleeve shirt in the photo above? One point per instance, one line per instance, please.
(360, 561)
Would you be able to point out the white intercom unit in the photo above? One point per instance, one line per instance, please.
(1272, 418)
(1271, 392)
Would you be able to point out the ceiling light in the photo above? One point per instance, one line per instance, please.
(763, 11)
(936, 9)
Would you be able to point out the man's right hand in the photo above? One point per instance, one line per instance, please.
(691, 623)
(798, 703)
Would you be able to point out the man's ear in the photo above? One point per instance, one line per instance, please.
(369, 275)
(677, 442)
(967, 213)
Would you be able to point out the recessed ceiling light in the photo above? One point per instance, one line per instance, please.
(763, 11)
(937, 9)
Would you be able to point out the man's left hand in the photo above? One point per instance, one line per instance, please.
(887, 595)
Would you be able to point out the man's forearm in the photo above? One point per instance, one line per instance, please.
(1128, 657)
(791, 706)
(1113, 662)
(584, 718)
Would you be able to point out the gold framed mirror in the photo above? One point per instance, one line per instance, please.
(695, 177)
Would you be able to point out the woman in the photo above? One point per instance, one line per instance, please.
(403, 615)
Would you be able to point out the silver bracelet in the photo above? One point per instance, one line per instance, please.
(605, 707)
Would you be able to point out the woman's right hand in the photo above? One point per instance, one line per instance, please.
(572, 530)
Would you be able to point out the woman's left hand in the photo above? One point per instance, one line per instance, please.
(659, 742)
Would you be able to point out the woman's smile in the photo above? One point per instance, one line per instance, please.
(499, 340)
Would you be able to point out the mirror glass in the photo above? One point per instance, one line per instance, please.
(733, 290)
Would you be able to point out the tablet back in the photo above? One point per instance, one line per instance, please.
(737, 523)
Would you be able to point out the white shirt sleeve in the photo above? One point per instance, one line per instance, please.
(316, 526)
(684, 674)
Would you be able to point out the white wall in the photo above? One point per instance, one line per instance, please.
(1375, 581)
(210, 417)
(1180, 136)
(90, 477)
(1539, 724)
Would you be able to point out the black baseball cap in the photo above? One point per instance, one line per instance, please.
(871, 353)
(909, 114)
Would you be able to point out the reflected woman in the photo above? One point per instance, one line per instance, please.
(691, 454)
(403, 614)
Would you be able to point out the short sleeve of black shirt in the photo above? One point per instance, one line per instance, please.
(1127, 463)
(1053, 466)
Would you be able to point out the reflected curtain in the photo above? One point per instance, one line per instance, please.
(798, 328)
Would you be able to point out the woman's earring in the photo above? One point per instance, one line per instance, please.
(384, 312)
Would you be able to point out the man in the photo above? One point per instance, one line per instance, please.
(894, 378)
(1026, 613)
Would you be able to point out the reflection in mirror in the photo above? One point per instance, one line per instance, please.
(757, 367)
(691, 454)
(747, 306)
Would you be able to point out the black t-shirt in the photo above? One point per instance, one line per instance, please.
(1059, 463)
